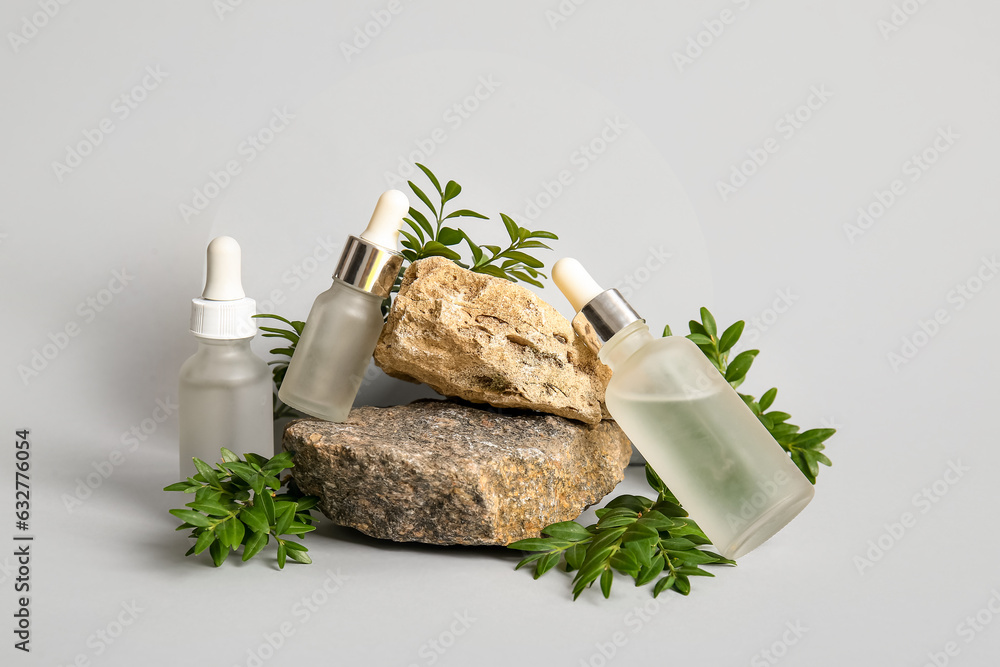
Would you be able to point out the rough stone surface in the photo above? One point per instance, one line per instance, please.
(488, 340)
(443, 473)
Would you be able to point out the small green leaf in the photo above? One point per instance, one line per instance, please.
(435, 249)
(777, 417)
(225, 531)
(768, 398)
(651, 571)
(465, 213)
(575, 555)
(667, 331)
(256, 521)
(257, 541)
(692, 556)
(567, 530)
(449, 236)
(616, 520)
(213, 508)
(424, 198)
(430, 175)
(177, 486)
(594, 564)
(606, 578)
(192, 517)
(730, 336)
(740, 365)
(267, 504)
(812, 437)
(708, 322)
(633, 503)
(418, 231)
(228, 455)
(546, 563)
(654, 480)
(219, 553)
(422, 221)
(520, 275)
(532, 244)
(204, 540)
(531, 559)
(658, 521)
(279, 462)
(297, 555)
(282, 554)
(491, 270)
(696, 327)
(581, 583)
(306, 503)
(524, 258)
(206, 471)
(534, 544)
(625, 561)
(699, 339)
(663, 584)
(639, 531)
(605, 539)
(291, 336)
(451, 190)
(676, 544)
(511, 227)
(296, 528)
(410, 241)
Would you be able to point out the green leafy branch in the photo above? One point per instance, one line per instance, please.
(634, 536)
(435, 239)
(805, 448)
(280, 366)
(237, 504)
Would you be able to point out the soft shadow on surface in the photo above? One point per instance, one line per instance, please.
(327, 530)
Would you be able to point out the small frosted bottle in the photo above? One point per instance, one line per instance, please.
(225, 389)
(691, 426)
(345, 321)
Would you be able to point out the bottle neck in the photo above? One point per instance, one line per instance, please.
(624, 344)
(357, 290)
(223, 345)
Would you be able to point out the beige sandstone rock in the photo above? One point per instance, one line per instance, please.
(488, 340)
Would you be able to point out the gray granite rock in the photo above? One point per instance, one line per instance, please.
(443, 473)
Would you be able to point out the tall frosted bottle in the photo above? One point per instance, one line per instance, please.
(691, 426)
(225, 389)
(345, 321)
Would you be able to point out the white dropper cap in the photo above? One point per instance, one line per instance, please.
(387, 219)
(223, 311)
(600, 313)
(224, 282)
(574, 282)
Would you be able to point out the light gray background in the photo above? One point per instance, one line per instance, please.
(783, 233)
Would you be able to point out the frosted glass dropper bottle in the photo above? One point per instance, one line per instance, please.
(688, 422)
(225, 389)
(344, 324)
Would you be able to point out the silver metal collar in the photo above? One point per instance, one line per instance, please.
(368, 266)
(603, 316)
